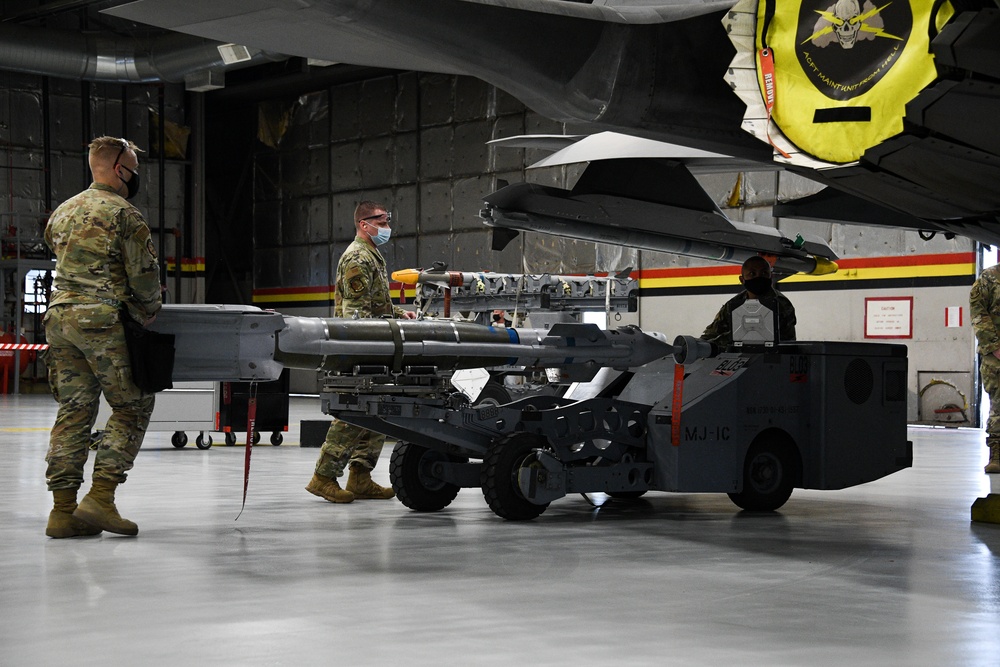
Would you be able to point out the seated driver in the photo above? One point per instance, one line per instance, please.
(755, 277)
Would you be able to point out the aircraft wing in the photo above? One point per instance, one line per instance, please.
(894, 106)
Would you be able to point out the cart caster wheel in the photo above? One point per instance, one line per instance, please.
(256, 437)
(277, 439)
(230, 439)
(201, 442)
(179, 439)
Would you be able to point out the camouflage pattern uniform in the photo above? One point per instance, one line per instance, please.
(361, 290)
(104, 257)
(720, 331)
(984, 307)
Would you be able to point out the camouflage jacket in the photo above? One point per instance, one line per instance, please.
(104, 253)
(720, 331)
(984, 308)
(362, 288)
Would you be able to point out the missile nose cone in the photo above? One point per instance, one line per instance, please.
(406, 276)
(824, 267)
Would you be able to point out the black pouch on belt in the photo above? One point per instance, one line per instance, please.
(151, 355)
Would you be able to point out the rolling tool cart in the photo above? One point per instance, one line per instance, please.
(189, 406)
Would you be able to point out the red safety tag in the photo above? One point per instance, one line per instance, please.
(675, 406)
(251, 428)
(767, 72)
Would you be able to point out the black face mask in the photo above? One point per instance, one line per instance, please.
(758, 286)
(131, 185)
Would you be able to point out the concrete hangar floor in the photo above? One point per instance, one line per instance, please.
(889, 573)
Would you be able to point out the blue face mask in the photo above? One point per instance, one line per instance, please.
(382, 236)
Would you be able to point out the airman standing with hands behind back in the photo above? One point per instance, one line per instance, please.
(104, 260)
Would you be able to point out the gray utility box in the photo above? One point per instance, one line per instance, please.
(835, 411)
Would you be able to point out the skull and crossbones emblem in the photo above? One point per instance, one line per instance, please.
(846, 22)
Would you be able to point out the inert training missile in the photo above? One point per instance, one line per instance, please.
(444, 278)
(244, 343)
(341, 345)
(698, 230)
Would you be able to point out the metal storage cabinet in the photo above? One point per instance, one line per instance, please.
(272, 408)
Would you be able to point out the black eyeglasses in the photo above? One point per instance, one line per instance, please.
(386, 215)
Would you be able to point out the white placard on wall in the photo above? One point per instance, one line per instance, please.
(889, 317)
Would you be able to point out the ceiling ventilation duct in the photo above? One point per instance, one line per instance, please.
(115, 59)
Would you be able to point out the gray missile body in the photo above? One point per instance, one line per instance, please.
(684, 221)
(243, 343)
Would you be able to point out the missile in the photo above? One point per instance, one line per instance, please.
(607, 205)
(481, 291)
(443, 278)
(340, 345)
(245, 343)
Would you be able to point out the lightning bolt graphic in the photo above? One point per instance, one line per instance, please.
(864, 27)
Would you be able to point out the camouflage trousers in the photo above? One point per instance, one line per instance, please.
(346, 443)
(87, 356)
(989, 371)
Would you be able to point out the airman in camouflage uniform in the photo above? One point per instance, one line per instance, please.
(104, 258)
(984, 306)
(362, 290)
(755, 276)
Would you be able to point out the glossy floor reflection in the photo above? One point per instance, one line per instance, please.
(889, 573)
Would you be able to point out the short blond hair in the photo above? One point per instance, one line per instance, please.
(110, 146)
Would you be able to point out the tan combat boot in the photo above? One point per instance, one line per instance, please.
(328, 488)
(62, 523)
(994, 465)
(98, 509)
(360, 483)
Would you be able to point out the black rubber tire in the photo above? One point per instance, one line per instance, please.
(626, 495)
(493, 393)
(230, 439)
(179, 439)
(770, 472)
(256, 437)
(276, 439)
(415, 486)
(498, 478)
(201, 442)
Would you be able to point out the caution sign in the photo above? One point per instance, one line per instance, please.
(840, 72)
